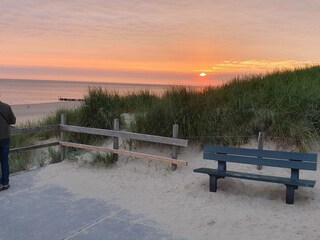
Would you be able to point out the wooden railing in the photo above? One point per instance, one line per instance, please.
(127, 135)
(48, 128)
(115, 134)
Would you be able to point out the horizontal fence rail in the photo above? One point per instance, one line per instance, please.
(32, 147)
(125, 152)
(124, 134)
(47, 128)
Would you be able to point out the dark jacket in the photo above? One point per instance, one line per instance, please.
(6, 118)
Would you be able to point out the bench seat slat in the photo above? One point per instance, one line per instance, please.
(261, 161)
(308, 157)
(256, 177)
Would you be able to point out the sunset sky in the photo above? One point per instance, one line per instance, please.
(155, 42)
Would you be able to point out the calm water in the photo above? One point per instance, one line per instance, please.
(40, 91)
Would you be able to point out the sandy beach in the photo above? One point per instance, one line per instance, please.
(180, 200)
(34, 112)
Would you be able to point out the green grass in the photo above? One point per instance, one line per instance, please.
(103, 159)
(21, 160)
(54, 155)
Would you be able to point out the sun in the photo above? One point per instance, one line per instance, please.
(202, 74)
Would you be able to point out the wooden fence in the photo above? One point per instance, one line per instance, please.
(48, 128)
(63, 128)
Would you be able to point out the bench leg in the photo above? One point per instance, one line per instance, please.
(213, 183)
(295, 175)
(290, 194)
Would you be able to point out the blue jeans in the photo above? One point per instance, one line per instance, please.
(4, 152)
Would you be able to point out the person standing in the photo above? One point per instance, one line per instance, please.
(6, 119)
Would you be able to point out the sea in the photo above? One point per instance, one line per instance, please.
(18, 91)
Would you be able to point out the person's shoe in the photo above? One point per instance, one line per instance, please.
(4, 186)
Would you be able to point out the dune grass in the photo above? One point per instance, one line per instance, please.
(283, 104)
(20, 161)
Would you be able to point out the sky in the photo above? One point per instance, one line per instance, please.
(155, 42)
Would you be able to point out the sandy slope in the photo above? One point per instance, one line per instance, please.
(181, 202)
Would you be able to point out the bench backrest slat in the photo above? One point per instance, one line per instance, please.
(309, 157)
(306, 161)
(271, 162)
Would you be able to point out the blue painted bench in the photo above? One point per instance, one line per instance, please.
(292, 160)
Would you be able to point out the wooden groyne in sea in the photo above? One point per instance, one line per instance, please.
(70, 99)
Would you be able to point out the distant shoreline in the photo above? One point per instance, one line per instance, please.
(97, 83)
(17, 91)
(37, 111)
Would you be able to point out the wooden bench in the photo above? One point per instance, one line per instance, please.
(292, 160)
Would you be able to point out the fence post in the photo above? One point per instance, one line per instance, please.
(260, 145)
(115, 139)
(63, 121)
(174, 154)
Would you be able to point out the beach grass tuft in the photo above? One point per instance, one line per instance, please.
(103, 159)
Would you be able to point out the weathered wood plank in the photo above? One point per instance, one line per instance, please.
(63, 120)
(126, 153)
(124, 134)
(47, 128)
(32, 147)
(174, 153)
